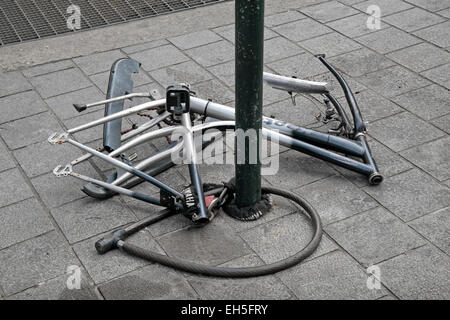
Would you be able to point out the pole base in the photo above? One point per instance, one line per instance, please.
(250, 213)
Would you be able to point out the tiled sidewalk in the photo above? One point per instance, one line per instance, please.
(402, 76)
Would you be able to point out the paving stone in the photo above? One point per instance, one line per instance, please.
(302, 114)
(115, 262)
(360, 62)
(443, 123)
(159, 57)
(335, 198)
(55, 192)
(15, 190)
(332, 276)
(150, 283)
(328, 11)
(271, 95)
(309, 29)
(440, 75)
(334, 86)
(59, 82)
(421, 274)
(47, 68)
(438, 34)
(56, 289)
(212, 54)
(413, 19)
(195, 39)
(298, 169)
(410, 195)
(374, 236)
(267, 287)
(225, 72)
(98, 62)
(388, 40)
(445, 13)
(213, 244)
(282, 238)
(434, 227)
(433, 157)
(282, 18)
(62, 105)
(87, 217)
(302, 66)
(228, 32)
(90, 134)
(393, 81)
(331, 44)
(101, 80)
(432, 5)
(5, 160)
(20, 105)
(213, 89)
(413, 57)
(33, 261)
(354, 26)
(279, 48)
(186, 72)
(387, 6)
(22, 221)
(13, 82)
(144, 46)
(395, 132)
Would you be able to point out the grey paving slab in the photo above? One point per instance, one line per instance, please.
(440, 75)
(413, 57)
(302, 114)
(56, 289)
(302, 66)
(5, 160)
(438, 34)
(388, 40)
(212, 54)
(186, 72)
(34, 261)
(282, 18)
(195, 39)
(159, 57)
(228, 32)
(443, 123)
(55, 83)
(332, 276)
(328, 11)
(428, 103)
(213, 244)
(90, 134)
(215, 90)
(88, 217)
(150, 283)
(310, 29)
(335, 198)
(434, 227)
(421, 274)
(282, 238)
(98, 62)
(101, 80)
(279, 48)
(432, 5)
(433, 157)
(47, 68)
(374, 236)
(411, 194)
(144, 46)
(393, 81)
(20, 105)
(62, 105)
(225, 72)
(22, 221)
(445, 13)
(395, 131)
(115, 263)
(13, 82)
(55, 192)
(267, 287)
(331, 44)
(414, 19)
(14, 189)
(387, 6)
(23, 132)
(354, 26)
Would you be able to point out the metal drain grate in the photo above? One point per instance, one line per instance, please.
(24, 20)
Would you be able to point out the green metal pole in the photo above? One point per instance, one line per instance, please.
(249, 89)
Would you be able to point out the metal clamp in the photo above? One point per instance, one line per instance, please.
(56, 138)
